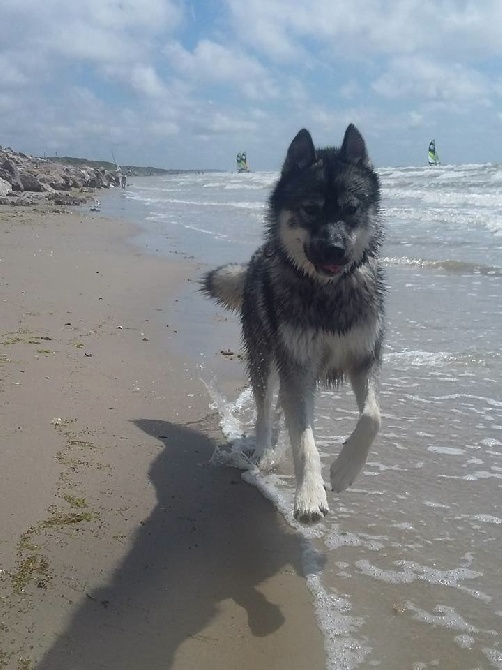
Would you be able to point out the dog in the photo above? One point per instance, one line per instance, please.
(311, 302)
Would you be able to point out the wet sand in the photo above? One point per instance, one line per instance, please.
(120, 546)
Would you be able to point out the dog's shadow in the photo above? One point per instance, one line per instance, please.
(211, 537)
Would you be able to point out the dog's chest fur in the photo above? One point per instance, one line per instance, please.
(329, 327)
(328, 354)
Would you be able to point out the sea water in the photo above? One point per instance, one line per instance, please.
(406, 570)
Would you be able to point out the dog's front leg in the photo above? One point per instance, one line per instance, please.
(355, 450)
(264, 454)
(297, 399)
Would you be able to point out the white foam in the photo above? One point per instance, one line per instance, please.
(445, 617)
(420, 358)
(494, 656)
(449, 451)
(464, 641)
(474, 476)
(430, 503)
(337, 538)
(344, 650)
(491, 442)
(460, 396)
(483, 518)
(411, 571)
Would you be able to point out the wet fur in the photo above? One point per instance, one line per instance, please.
(311, 302)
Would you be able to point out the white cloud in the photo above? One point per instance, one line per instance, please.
(365, 27)
(99, 31)
(350, 89)
(415, 120)
(423, 79)
(215, 63)
(223, 124)
(10, 73)
(131, 72)
(265, 26)
(145, 81)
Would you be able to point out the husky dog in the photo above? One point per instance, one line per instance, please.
(311, 301)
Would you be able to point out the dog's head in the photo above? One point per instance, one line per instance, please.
(324, 210)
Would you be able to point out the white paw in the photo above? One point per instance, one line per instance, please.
(353, 455)
(268, 460)
(343, 472)
(311, 504)
(265, 459)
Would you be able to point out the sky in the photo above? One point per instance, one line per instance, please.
(186, 84)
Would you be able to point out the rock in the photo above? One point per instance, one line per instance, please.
(12, 175)
(66, 199)
(30, 182)
(56, 181)
(42, 178)
(5, 187)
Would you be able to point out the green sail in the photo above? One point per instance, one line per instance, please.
(433, 157)
(242, 165)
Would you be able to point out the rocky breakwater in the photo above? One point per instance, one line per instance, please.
(28, 180)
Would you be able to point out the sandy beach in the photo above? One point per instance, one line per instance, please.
(120, 546)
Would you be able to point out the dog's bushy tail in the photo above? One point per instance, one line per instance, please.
(226, 284)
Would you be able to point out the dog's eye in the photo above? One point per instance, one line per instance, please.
(311, 208)
(350, 209)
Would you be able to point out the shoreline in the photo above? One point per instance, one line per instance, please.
(121, 547)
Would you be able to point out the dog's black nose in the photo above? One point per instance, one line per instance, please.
(334, 253)
(329, 245)
(330, 254)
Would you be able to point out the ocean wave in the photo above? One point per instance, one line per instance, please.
(469, 396)
(251, 181)
(408, 358)
(419, 358)
(333, 612)
(494, 227)
(456, 267)
(252, 186)
(258, 206)
(233, 186)
(407, 572)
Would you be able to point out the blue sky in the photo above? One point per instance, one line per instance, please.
(188, 84)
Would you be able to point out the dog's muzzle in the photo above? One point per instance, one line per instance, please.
(328, 254)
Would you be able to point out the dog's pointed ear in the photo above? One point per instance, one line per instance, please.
(354, 148)
(301, 152)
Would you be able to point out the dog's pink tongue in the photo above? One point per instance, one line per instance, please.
(332, 268)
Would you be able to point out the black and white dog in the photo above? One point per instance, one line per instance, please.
(311, 301)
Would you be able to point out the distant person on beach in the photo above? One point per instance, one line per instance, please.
(123, 181)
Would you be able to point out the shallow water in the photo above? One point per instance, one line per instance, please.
(405, 572)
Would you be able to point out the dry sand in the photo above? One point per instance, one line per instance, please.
(120, 546)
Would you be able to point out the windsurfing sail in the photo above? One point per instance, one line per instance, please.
(242, 164)
(432, 156)
(117, 176)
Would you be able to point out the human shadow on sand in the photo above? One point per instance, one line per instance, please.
(211, 537)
